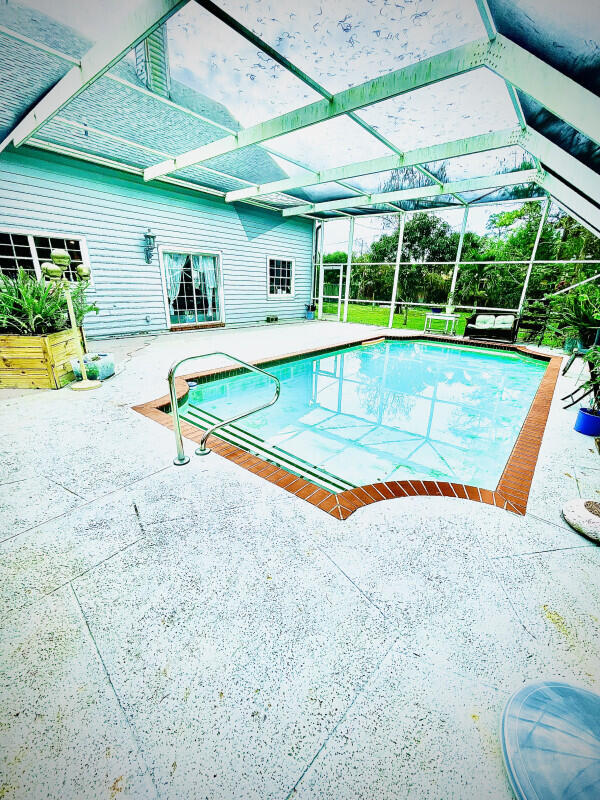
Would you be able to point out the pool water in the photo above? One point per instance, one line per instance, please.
(388, 411)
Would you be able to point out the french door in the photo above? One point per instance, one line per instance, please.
(193, 288)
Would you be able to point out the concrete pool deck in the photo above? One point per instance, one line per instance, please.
(193, 633)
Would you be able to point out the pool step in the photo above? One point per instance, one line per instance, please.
(251, 443)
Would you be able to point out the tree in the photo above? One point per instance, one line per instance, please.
(574, 241)
(426, 238)
(510, 237)
(338, 257)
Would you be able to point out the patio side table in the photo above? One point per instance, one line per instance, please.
(449, 321)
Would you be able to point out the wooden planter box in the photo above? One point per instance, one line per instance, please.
(37, 362)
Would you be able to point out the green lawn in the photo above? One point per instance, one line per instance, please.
(378, 315)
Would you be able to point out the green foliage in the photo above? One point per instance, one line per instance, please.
(426, 238)
(30, 307)
(511, 237)
(577, 313)
(593, 361)
(338, 257)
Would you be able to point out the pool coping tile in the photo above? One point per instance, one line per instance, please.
(511, 493)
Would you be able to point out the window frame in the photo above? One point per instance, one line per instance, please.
(31, 234)
(30, 242)
(194, 251)
(292, 293)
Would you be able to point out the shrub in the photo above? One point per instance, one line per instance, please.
(31, 307)
(577, 313)
(593, 361)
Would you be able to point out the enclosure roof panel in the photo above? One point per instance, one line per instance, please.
(37, 26)
(426, 203)
(564, 35)
(476, 165)
(343, 44)
(117, 105)
(328, 144)
(504, 193)
(465, 105)
(228, 74)
(560, 133)
(380, 181)
(231, 70)
(322, 192)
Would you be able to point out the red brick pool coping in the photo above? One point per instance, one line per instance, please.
(511, 493)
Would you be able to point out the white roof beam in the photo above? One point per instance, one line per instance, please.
(124, 34)
(562, 96)
(492, 32)
(516, 103)
(251, 37)
(561, 162)
(573, 203)
(423, 73)
(487, 18)
(438, 152)
(444, 207)
(488, 182)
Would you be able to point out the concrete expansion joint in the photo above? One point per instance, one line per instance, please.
(128, 722)
(360, 691)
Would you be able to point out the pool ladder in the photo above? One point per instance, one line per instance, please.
(181, 458)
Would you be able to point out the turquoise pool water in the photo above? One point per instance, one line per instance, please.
(388, 411)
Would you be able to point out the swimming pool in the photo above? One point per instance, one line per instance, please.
(387, 411)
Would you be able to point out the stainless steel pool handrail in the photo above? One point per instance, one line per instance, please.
(181, 457)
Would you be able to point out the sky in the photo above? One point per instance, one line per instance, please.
(339, 43)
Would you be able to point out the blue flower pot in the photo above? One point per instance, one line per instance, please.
(98, 366)
(310, 315)
(588, 422)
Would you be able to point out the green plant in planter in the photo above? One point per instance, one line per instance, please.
(577, 313)
(30, 307)
(592, 357)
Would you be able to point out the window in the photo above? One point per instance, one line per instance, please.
(29, 251)
(44, 246)
(280, 277)
(15, 252)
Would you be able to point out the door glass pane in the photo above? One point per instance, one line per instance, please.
(206, 285)
(192, 288)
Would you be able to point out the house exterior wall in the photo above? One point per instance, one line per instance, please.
(44, 193)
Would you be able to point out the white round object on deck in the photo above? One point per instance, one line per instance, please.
(584, 516)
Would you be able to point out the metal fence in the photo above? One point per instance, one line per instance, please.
(461, 288)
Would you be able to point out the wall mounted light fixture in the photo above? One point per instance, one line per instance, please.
(149, 245)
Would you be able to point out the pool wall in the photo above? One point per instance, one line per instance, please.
(511, 493)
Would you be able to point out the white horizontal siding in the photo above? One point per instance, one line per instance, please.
(112, 210)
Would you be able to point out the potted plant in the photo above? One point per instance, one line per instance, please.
(577, 315)
(36, 340)
(310, 310)
(588, 419)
